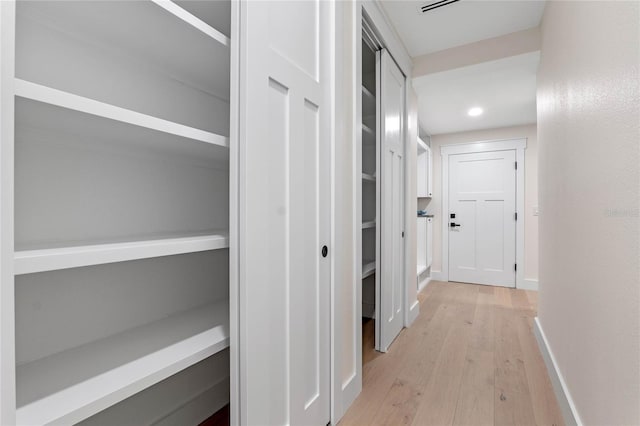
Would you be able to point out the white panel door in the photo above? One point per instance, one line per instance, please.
(391, 316)
(482, 222)
(285, 212)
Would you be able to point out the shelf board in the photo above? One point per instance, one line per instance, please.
(32, 261)
(368, 130)
(369, 224)
(368, 268)
(47, 95)
(369, 120)
(173, 40)
(422, 147)
(73, 385)
(368, 102)
(367, 94)
(194, 21)
(368, 136)
(368, 178)
(215, 13)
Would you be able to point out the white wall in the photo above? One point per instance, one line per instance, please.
(588, 128)
(531, 190)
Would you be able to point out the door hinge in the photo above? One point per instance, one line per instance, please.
(516, 163)
(402, 234)
(515, 266)
(515, 215)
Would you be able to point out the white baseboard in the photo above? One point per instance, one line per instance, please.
(563, 396)
(528, 284)
(437, 276)
(414, 311)
(424, 283)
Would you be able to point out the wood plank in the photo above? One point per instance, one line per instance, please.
(32, 261)
(369, 352)
(475, 403)
(520, 301)
(416, 372)
(37, 92)
(533, 300)
(512, 398)
(380, 374)
(460, 356)
(400, 404)
(440, 397)
(545, 406)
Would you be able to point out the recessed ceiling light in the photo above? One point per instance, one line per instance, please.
(475, 111)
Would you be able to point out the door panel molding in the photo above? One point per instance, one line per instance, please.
(517, 144)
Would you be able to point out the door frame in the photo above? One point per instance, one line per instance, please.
(519, 145)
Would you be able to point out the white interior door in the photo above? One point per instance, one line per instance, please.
(390, 318)
(285, 206)
(482, 220)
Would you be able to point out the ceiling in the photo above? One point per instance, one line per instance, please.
(459, 23)
(505, 89)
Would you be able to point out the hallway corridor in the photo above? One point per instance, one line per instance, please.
(470, 358)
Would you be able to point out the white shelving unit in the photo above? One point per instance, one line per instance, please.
(422, 230)
(368, 102)
(32, 261)
(424, 227)
(368, 178)
(121, 196)
(368, 268)
(75, 384)
(369, 189)
(368, 136)
(74, 103)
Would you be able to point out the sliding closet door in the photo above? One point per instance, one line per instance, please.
(285, 212)
(391, 318)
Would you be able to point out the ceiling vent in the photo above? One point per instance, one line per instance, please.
(431, 6)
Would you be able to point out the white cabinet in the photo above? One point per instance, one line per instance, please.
(118, 253)
(425, 243)
(425, 250)
(422, 244)
(424, 171)
(429, 249)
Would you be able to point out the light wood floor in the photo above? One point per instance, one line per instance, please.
(469, 359)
